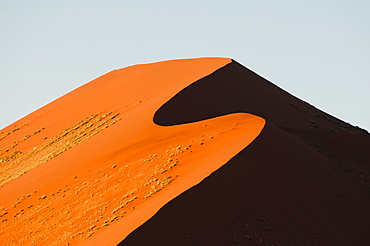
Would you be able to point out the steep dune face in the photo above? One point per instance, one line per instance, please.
(303, 181)
(183, 152)
(92, 166)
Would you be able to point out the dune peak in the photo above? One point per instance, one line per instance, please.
(182, 151)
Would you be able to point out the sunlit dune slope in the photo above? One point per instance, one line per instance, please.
(92, 166)
(303, 181)
(184, 152)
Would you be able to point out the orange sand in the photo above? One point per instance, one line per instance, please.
(92, 166)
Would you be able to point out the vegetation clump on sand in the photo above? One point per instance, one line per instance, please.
(18, 163)
(98, 202)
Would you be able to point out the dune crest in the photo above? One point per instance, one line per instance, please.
(302, 181)
(92, 166)
(196, 151)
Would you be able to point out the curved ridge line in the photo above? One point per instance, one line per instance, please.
(178, 193)
(191, 123)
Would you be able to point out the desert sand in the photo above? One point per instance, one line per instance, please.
(183, 152)
(93, 164)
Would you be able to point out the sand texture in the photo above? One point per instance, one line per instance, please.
(183, 152)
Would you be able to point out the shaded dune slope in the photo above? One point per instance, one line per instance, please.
(90, 167)
(303, 181)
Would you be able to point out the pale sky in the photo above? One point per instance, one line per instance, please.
(318, 51)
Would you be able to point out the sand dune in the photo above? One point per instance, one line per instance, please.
(93, 164)
(183, 152)
(303, 181)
